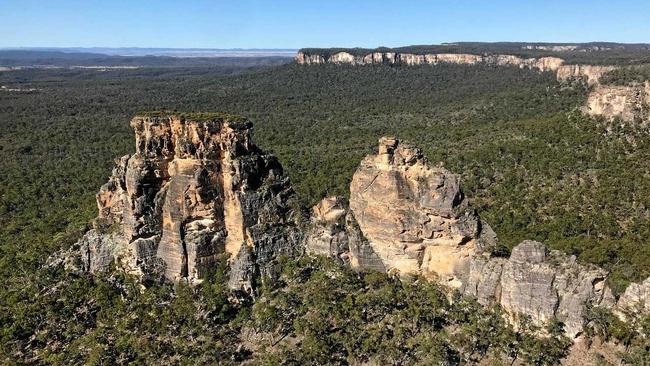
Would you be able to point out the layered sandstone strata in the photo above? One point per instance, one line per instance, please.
(540, 284)
(590, 73)
(196, 188)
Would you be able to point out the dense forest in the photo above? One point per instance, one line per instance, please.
(531, 164)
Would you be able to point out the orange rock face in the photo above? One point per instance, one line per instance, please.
(413, 215)
(196, 189)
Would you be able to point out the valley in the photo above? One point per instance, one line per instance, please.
(558, 161)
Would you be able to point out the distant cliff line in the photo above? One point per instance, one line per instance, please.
(630, 103)
(592, 73)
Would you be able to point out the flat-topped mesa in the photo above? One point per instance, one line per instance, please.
(195, 189)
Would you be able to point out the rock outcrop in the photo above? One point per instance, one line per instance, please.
(408, 218)
(629, 103)
(414, 216)
(335, 233)
(405, 217)
(196, 188)
(635, 299)
(590, 73)
(542, 285)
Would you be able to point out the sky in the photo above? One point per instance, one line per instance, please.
(312, 23)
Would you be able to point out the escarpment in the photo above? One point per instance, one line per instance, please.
(589, 73)
(195, 189)
(410, 59)
(630, 103)
(409, 218)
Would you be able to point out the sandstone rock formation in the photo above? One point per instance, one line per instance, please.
(196, 188)
(409, 218)
(410, 59)
(590, 73)
(635, 300)
(335, 233)
(629, 103)
(413, 215)
(540, 284)
(405, 217)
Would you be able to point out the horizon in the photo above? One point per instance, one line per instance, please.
(292, 24)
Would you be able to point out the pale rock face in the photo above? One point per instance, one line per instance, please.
(539, 284)
(304, 59)
(328, 235)
(408, 218)
(342, 58)
(459, 58)
(628, 103)
(635, 299)
(336, 234)
(506, 60)
(484, 280)
(545, 286)
(412, 214)
(378, 58)
(194, 190)
(547, 63)
(410, 59)
(527, 286)
(592, 73)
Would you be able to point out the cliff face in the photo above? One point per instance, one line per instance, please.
(414, 216)
(629, 103)
(409, 59)
(591, 74)
(541, 284)
(408, 218)
(196, 188)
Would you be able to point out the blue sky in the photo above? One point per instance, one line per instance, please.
(311, 23)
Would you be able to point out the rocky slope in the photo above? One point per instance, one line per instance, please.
(409, 218)
(196, 188)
